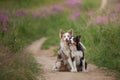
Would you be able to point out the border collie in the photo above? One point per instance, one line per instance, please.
(77, 53)
(64, 50)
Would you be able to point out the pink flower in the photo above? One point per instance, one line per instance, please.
(105, 20)
(73, 3)
(20, 12)
(102, 20)
(57, 8)
(99, 19)
(75, 15)
(47, 10)
(113, 15)
(117, 8)
(38, 15)
(4, 19)
(5, 29)
(90, 13)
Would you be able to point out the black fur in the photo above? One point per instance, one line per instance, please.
(79, 48)
(78, 45)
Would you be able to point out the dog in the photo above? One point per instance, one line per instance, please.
(77, 53)
(64, 51)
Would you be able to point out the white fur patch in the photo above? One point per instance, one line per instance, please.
(83, 46)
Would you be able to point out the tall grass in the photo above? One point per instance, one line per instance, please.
(17, 66)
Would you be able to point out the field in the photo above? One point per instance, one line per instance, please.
(24, 21)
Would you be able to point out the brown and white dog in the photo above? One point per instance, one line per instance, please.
(64, 53)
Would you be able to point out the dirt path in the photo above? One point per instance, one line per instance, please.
(46, 59)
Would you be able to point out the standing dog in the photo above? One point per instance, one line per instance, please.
(77, 52)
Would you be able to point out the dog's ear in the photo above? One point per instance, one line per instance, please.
(61, 32)
(70, 32)
(79, 36)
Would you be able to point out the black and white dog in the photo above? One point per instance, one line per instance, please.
(77, 53)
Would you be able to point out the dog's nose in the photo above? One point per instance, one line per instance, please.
(67, 40)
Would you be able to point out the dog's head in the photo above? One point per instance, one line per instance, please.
(65, 36)
(75, 40)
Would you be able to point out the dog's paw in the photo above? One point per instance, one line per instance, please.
(54, 68)
(73, 70)
(84, 70)
(76, 70)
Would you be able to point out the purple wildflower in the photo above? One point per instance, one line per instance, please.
(5, 29)
(38, 15)
(47, 10)
(4, 22)
(1, 18)
(73, 3)
(117, 8)
(57, 8)
(90, 13)
(102, 20)
(99, 19)
(4, 19)
(113, 15)
(75, 15)
(20, 12)
(105, 20)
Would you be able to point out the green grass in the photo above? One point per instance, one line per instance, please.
(17, 66)
(91, 4)
(27, 4)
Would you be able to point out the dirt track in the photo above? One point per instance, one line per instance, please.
(47, 60)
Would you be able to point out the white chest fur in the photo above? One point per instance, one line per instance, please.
(65, 48)
(75, 52)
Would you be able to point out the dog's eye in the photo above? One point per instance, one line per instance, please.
(68, 36)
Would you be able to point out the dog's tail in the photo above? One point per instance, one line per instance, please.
(83, 46)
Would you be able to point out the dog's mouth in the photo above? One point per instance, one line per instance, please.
(67, 40)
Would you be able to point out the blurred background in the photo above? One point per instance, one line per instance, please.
(24, 21)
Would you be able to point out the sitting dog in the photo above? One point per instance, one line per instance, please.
(64, 51)
(77, 53)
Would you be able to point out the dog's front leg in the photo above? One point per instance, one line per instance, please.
(74, 64)
(71, 64)
(83, 66)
